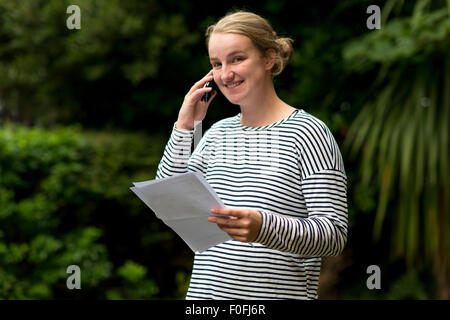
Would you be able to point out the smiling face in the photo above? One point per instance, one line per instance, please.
(239, 68)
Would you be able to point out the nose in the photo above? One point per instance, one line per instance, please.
(227, 74)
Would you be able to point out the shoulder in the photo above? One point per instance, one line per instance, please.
(317, 145)
(304, 121)
(310, 130)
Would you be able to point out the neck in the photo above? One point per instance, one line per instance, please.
(265, 108)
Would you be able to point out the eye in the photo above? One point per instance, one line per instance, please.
(216, 64)
(237, 59)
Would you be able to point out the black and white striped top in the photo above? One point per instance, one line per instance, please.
(292, 172)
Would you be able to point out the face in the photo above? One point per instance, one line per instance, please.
(240, 70)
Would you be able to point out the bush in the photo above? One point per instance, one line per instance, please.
(65, 200)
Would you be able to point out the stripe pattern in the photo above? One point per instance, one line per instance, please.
(290, 171)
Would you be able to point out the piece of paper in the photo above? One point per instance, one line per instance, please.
(184, 202)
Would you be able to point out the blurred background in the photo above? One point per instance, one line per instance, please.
(84, 113)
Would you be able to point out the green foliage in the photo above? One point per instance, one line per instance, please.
(182, 279)
(58, 189)
(413, 38)
(135, 284)
(408, 287)
(132, 272)
(401, 133)
(51, 73)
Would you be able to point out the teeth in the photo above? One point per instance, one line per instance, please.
(234, 84)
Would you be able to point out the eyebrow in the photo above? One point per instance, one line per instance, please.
(230, 54)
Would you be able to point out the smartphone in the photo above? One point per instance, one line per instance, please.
(207, 95)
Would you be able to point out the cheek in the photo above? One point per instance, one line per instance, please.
(217, 78)
(251, 69)
(244, 71)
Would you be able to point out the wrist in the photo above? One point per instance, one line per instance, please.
(261, 221)
(183, 126)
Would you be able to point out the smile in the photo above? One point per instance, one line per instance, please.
(233, 85)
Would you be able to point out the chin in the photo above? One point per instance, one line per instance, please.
(235, 99)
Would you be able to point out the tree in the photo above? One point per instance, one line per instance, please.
(402, 132)
(101, 74)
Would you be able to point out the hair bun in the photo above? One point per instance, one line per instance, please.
(285, 53)
(286, 48)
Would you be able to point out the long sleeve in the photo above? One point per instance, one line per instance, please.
(324, 232)
(177, 156)
(324, 188)
(176, 153)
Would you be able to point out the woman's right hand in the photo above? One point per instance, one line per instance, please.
(193, 109)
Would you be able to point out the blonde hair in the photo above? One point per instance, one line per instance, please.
(260, 32)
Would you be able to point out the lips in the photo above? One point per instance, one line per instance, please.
(234, 84)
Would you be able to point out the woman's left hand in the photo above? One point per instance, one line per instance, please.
(240, 223)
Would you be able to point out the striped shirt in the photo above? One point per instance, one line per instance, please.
(292, 172)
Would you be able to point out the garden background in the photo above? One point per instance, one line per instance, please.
(84, 113)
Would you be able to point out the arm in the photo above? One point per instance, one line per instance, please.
(324, 232)
(177, 153)
(178, 149)
(324, 188)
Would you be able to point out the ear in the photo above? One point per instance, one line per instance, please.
(269, 59)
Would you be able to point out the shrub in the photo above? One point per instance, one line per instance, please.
(65, 200)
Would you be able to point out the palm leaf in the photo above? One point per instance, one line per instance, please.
(402, 135)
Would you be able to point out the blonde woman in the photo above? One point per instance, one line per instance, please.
(277, 169)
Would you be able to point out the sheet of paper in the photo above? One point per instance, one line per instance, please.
(183, 202)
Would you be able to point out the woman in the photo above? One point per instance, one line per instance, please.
(277, 169)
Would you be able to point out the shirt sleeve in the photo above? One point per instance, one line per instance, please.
(324, 188)
(177, 156)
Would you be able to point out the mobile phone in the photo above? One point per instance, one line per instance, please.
(207, 95)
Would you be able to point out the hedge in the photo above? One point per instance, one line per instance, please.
(65, 200)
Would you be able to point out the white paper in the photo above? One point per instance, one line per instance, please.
(184, 202)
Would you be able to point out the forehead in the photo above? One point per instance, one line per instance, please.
(222, 44)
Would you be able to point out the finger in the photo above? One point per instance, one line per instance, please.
(225, 222)
(198, 94)
(201, 83)
(236, 232)
(210, 98)
(234, 212)
(238, 237)
(208, 77)
(195, 96)
(228, 223)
